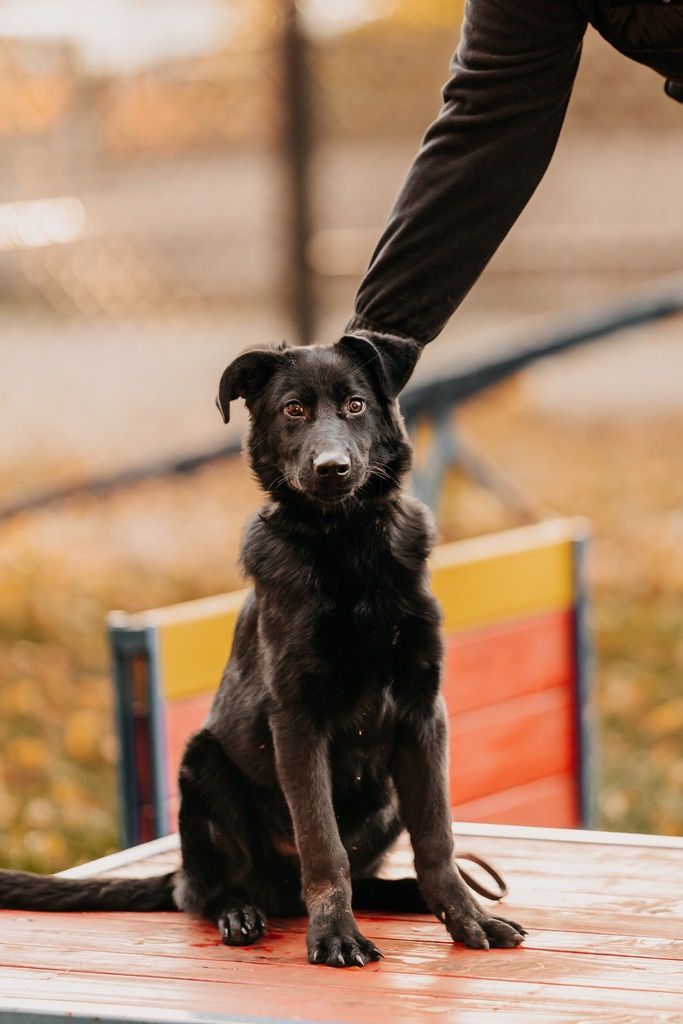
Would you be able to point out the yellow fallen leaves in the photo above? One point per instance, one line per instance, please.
(82, 738)
(60, 572)
(8, 809)
(25, 759)
(664, 719)
(46, 847)
(22, 699)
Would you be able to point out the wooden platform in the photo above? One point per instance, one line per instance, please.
(605, 915)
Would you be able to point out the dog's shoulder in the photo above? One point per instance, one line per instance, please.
(258, 545)
(271, 554)
(410, 530)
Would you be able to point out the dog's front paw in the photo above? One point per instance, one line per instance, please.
(242, 925)
(339, 944)
(478, 930)
(465, 919)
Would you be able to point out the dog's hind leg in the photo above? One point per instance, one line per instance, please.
(215, 843)
(393, 895)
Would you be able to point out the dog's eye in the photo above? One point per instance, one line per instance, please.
(355, 405)
(295, 410)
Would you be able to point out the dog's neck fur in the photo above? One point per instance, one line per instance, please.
(295, 514)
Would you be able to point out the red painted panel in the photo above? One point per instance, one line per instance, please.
(497, 663)
(507, 745)
(141, 744)
(182, 718)
(552, 802)
(509, 690)
(172, 805)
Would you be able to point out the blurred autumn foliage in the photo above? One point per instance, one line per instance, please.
(60, 573)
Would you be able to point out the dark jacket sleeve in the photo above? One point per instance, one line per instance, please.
(478, 165)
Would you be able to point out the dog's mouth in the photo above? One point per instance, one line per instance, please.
(331, 492)
(328, 500)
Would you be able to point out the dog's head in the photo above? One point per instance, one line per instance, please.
(325, 424)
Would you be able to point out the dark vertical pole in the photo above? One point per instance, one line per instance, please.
(296, 150)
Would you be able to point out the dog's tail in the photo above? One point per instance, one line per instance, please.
(392, 895)
(403, 895)
(21, 890)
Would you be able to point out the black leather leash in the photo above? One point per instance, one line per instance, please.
(481, 890)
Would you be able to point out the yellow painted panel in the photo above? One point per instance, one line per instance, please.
(504, 585)
(193, 655)
(194, 648)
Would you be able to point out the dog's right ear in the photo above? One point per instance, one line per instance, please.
(246, 376)
(389, 359)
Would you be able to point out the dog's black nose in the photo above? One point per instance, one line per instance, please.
(331, 464)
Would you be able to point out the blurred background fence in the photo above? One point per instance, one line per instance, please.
(180, 180)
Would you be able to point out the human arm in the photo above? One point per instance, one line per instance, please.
(479, 164)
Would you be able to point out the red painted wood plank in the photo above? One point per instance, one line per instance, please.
(510, 744)
(626, 887)
(281, 954)
(552, 801)
(181, 936)
(490, 665)
(542, 915)
(470, 1001)
(280, 958)
(633, 857)
(299, 983)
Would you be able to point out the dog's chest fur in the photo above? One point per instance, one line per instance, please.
(337, 593)
(330, 603)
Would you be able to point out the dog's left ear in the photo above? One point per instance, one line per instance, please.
(389, 359)
(245, 377)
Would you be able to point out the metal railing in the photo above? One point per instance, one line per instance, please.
(434, 401)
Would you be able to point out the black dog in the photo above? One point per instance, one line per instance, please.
(328, 734)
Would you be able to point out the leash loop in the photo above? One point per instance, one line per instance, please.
(481, 890)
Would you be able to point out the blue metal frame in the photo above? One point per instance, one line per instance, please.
(124, 645)
(587, 752)
(128, 644)
(428, 481)
(157, 738)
